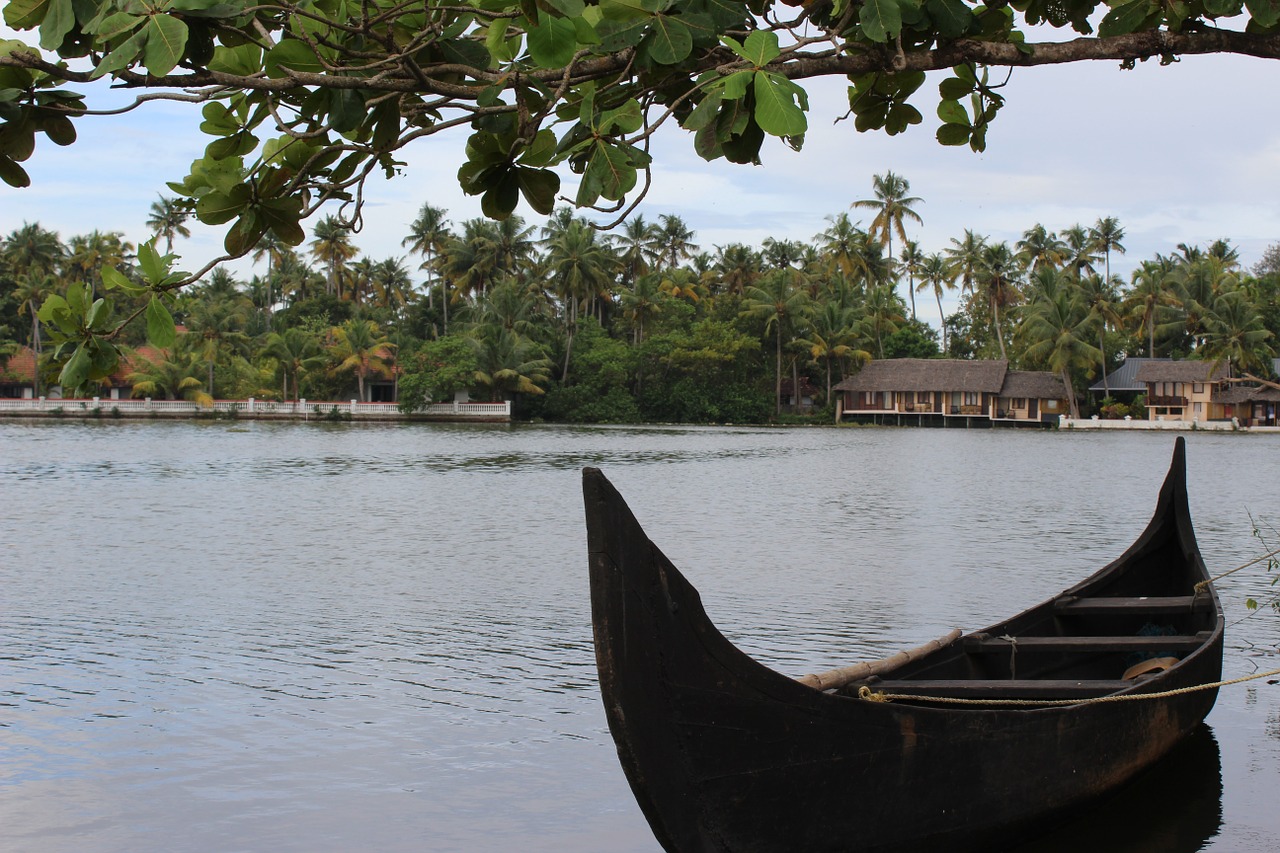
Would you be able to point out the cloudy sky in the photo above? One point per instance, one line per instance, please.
(1182, 154)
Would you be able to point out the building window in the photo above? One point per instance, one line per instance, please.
(971, 398)
(1019, 403)
(1051, 405)
(922, 397)
(1199, 408)
(1197, 388)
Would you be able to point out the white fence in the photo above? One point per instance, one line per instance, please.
(251, 408)
(1065, 422)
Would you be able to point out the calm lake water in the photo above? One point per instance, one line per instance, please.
(236, 636)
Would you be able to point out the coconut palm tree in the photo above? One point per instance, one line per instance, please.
(1082, 249)
(912, 259)
(168, 220)
(580, 267)
(1056, 329)
(428, 236)
(30, 291)
(509, 363)
(33, 250)
(675, 240)
(1148, 295)
(1235, 333)
(638, 247)
(298, 352)
(88, 253)
(216, 327)
(964, 257)
(843, 243)
(778, 302)
(640, 303)
(885, 314)
(360, 347)
(332, 247)
(936, 275)
(1101, 298)
(832, 339)
(1040, 247)
(998, 279)
(1107, 235)
(170, 376)
(738, 267)
(892, 205)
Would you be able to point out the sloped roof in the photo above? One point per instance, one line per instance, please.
(20, 367)
(928, 374)
(1124, 377)
(1035, 384)
(1180, 371)
(1247, 394)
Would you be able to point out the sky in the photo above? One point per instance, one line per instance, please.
(1187, 153)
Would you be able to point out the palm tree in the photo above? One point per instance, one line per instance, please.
(1101, 298)
(1235, 333)
(30, 292)
(89, 253)
(937, 275)
(884, 314)
(33, 250)
(428, 236)
(1040, 247)
(1056, 328)
(998, 278)
(217, 326)
(332, 247)
(892, 205)
(508, 362)
(1148, 294)
(170, 376)
(912, 258)
(298, 352)
(965, 259)
(360, 347)
(580, 267)
(168, 220)
(738, 266)
(1107, 235)
(833, 336)
(1082, 249)
(642, 302)
(778, 302)
(511, 305)
(842, 243)
(675, 240)
(639, 248)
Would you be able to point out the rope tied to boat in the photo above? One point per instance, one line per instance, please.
(866, 693)
(1202, 585)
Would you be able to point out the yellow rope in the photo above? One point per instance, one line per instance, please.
(1200, 586)
(866, 693)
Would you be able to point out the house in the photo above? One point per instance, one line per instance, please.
(936, 391)
(18, 375)
(1251, 405)
(1183, 390)
(1122, 383)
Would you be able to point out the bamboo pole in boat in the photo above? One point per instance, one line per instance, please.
(837, 678)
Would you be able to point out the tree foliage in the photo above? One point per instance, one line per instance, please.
(303, 103)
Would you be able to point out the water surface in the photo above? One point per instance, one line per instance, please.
(309, 637)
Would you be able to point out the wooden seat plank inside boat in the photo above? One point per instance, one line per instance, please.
(1182, 643)
(1023, 688)
(1147, 604)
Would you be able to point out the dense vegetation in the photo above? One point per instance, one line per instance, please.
(640, 324)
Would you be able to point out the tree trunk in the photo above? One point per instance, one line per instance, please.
(1071, 395)
(568, 339)
(1102, 348)
(995, 322)
(777, 389)
(943, 319)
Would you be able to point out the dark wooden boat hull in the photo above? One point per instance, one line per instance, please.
(725, 754)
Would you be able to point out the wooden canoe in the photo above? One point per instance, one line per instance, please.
(725, 754)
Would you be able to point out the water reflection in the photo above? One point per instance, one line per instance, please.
(1173, 807)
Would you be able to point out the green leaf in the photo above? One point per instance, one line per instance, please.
(346, 110)
(215, 208)
(954, 88)
(1124, 19)
(113, 279)
(1266, 13)
(166, 41)
(13, 174)
(539, 188)
(954, 134)
(502, 196)
(60, 130)
(123, 55)
(618, 34)
(1221, 8)
(243, 59)
(25, 14)
(670, 41)
(161, 330)
(775, 110)
(735, 85)
(553, 42)
(952, 18)
(291, 55)
(881, 19)
(59, 20)
(568, 8)
(951, 112)
(760, 48)
(76, 370)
